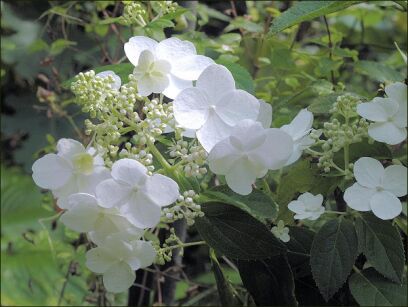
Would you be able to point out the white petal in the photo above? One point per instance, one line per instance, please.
(369, 172)
(241, 177)
(237, 105)
(387, 132)
(215, 81)
(130, 171)
(98, 260)
(119, 277)
(302, 216)
(117, 82)
(379, 110)
(297, 206)
(51, 171)
(173, 49)
(284, 237)
(311, 201)
(190, 67)
(162, 190)
(265, 114)
(82, 214)
(68, 148)
(213, 131)
(152, 84)
(88, 183)
(277, 148)
(191, 108)
(247, 135)
(144, 252)
(176, 85)
(395, 180)
(110, 193)
(296, 154)
(222, 157)
(300, 125)
(358, 197)
(385, 205)
(141, 211)
(135, 46)
(397, 91)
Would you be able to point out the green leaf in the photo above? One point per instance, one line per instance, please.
(376, 150)
(236, 234)
(334, 250)
(323, 104)
(307, 10)
(123, 70)
(60, 45)
(299, 247)
(242, 77)
(381, 243)
(377, 71)
(269, 281)
(258, 204)
(369, 288)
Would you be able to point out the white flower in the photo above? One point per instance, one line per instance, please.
(248, 153)
(299, 130)
(105, 74)
(307, 206)
(85, 214)
(166, 67)
(281, 232)
(265, 114)
(117, 260)
(73, 169)
(377, 189)
(138, 195)
(214, 106)
(388, 114)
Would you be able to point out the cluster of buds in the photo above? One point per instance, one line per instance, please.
(167, 7)
(133, 13)
(192, 157)
(165, 253)
(185, 207)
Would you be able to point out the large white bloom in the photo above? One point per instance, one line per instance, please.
(299, 129)
(307, 206)
(377, 189)
(138, 195)
(117, 260)
(73, 169)
(214, 106)
(85, 214)
(166, 67)
(388, 114)
(248, 153)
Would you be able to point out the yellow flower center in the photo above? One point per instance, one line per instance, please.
(83, 163)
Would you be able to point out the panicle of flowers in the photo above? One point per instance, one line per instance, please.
(167, 7)
(191, 155)
(185, 207)
(133, 13)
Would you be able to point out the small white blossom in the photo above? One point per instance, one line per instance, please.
(388, 114)
(299, 129)
(281, 232)
(307, 206)
(138, 195)
(377, 189)
(214, 106)
(166, 67)
(248, 153)
(73, 169)
(117, 260)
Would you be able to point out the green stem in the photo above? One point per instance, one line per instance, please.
(266, 186)
(183, 245)
(157, 154)
(346, 152)
(335, 212)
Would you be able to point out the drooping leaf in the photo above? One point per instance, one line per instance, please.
(334, 250)
(381, 243)
(269, 281)
(307, 10)
(257, 203)
(369, 288)
(242, 77)
(236, 234)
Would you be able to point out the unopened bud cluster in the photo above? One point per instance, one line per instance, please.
(185, 207)
(165, 252)
(191, 155)
(167, 6)
(133, 13)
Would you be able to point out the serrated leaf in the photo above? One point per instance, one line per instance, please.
(381, 243)
(257, 203)
(307, 10)
(299, 246)
(242, 77)
(377, 71)
(270, 281)
(236, 234)
(369, 288)
(334, 250)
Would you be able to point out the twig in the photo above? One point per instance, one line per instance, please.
(64, 285)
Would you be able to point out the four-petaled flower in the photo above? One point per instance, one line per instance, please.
(281, 232)
(214, 106)
(388, 114)
(248, 153)
(117, 260)
(166, 67)
(138, 195)
(307, 206)
(73, 169)
(377, 189)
